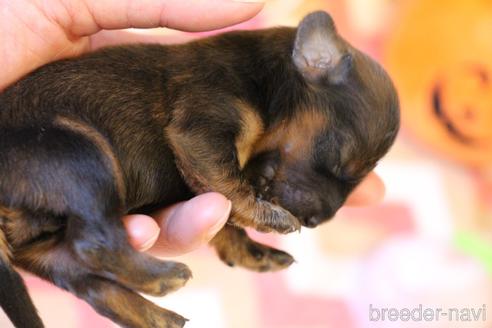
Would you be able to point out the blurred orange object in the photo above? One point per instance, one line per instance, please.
(440, 55)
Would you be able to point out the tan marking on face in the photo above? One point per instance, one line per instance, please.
(251, 131)
(293, 138)
(102, 144)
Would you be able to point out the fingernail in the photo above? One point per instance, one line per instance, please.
(214, 229)
(149, 243)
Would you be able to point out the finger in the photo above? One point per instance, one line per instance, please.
(188, 225)
(369, 192)
(91, 16)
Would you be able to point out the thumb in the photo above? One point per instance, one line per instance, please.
(180, 228)
(91, 16)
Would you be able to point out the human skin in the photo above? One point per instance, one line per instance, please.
(36, 32)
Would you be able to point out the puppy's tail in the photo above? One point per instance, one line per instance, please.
(14, 298)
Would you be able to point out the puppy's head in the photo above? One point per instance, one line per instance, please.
(344, 118)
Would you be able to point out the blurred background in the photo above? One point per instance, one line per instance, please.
(428, 244)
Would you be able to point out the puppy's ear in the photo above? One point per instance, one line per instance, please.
(318, 50)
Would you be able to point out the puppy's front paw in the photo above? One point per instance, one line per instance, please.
(256, 257)
(234, 247)
(276, 218)
(267, 258)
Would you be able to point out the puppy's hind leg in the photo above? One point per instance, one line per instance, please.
(96, 231)
(123, 305)
(63, 173)
(53, 260)
(101, 244)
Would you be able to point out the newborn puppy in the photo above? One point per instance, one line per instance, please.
(284, 122)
